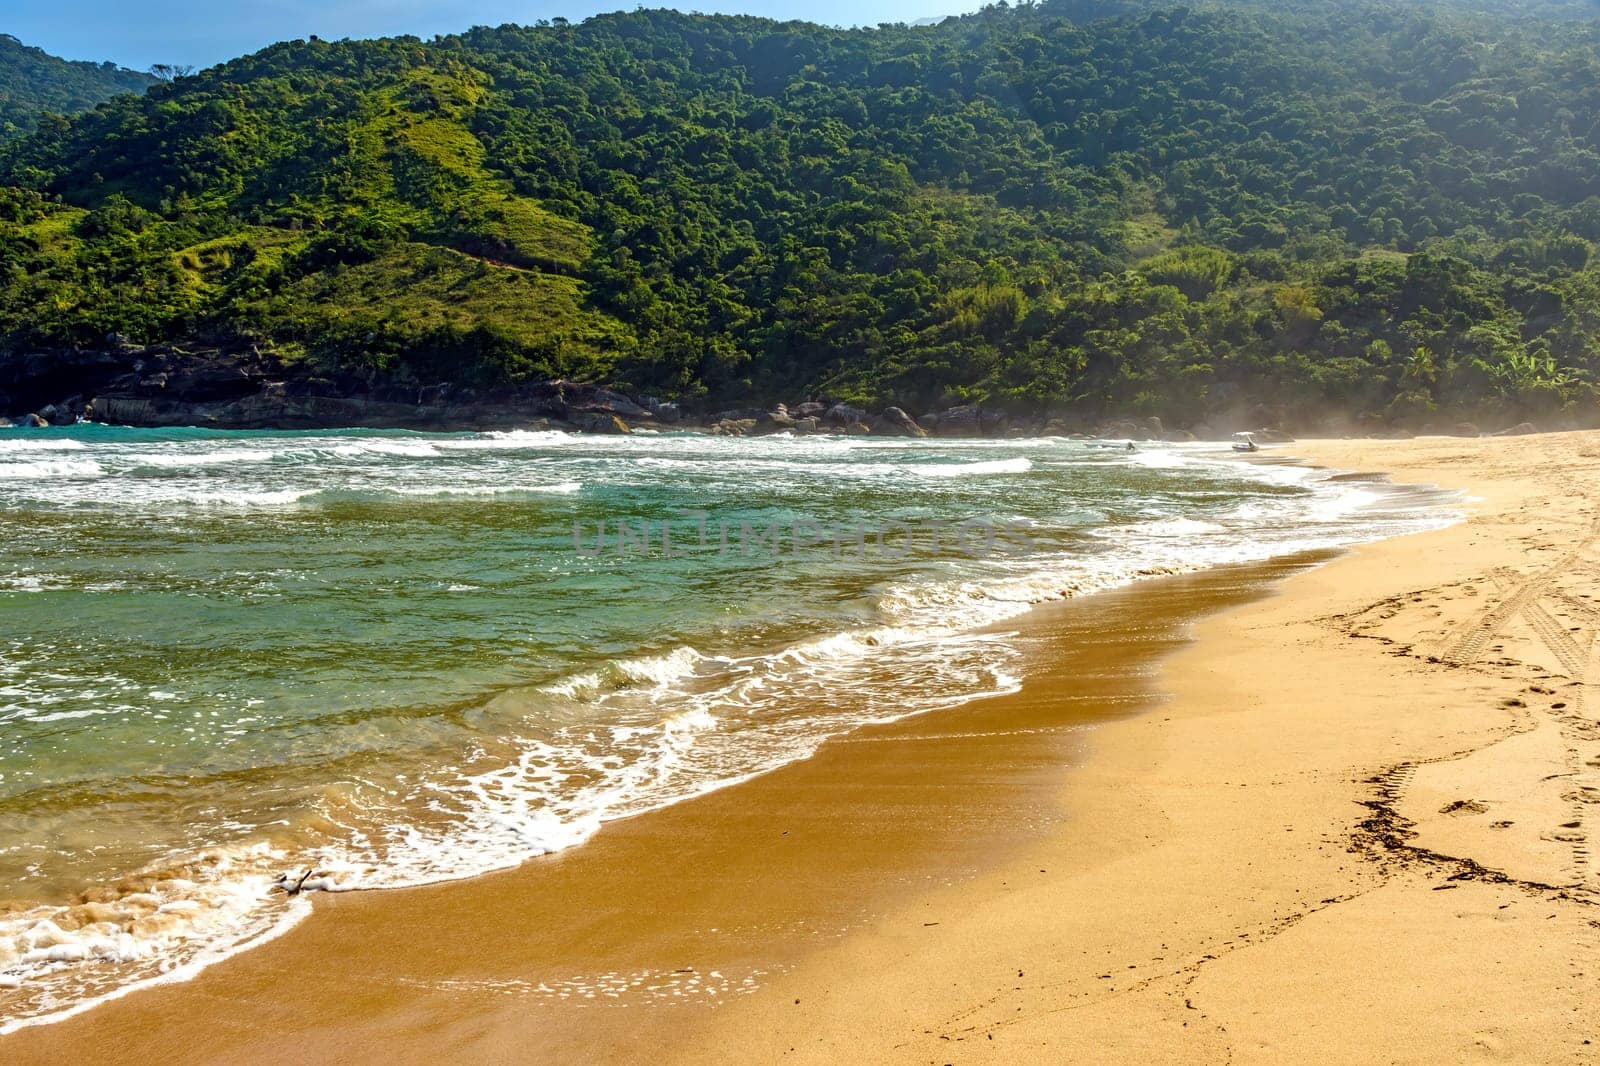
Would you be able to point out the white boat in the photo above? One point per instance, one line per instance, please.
(1245, 442)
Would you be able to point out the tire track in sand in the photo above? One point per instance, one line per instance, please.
(1467, 644)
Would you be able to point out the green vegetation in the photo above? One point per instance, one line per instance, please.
(1381, 209)
(31, 82)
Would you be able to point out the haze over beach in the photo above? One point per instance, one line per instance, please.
(1055, 533)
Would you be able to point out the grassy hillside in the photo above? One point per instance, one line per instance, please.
(33, 82)
(1385, 209)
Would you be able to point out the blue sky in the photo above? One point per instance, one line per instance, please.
(137, 33)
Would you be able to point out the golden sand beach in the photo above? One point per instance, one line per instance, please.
(1334, 810)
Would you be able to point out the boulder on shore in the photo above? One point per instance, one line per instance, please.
(895, 422)
(33, 421)
(1121, 429)
(842, 414)
(1521, 429)
(775, 421)
(963, 421)
(65, 413)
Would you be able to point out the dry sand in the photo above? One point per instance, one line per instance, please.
(1355, 830)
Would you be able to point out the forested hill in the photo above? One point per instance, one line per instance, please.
(1386, 210)
(33, 81)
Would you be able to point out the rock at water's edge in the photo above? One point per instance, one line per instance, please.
(600, 422)
(895, 422)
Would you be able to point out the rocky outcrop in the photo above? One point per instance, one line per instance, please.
(591, 398)
(246, 388)
(162, 386)
(274, 407)
(30, 381)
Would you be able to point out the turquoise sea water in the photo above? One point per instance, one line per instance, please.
(392, 658)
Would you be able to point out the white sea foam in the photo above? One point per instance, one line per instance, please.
(51, 469)
(33, 582)
(978, 469)
(186, 459)
(511, 440)
(1157, 458)
(558, 792)
(164, 926)
(1179, 527)
(654, 670)
(836, 467)
(185, 961)
(559, 488)
(227, 498)
(380, 447)
(47, 444)
(662, 669)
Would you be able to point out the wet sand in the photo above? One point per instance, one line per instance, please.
(1258, 814)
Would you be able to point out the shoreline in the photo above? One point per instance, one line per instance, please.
(887, 822)
(866, 980)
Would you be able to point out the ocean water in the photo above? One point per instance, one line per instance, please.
(363, 659)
